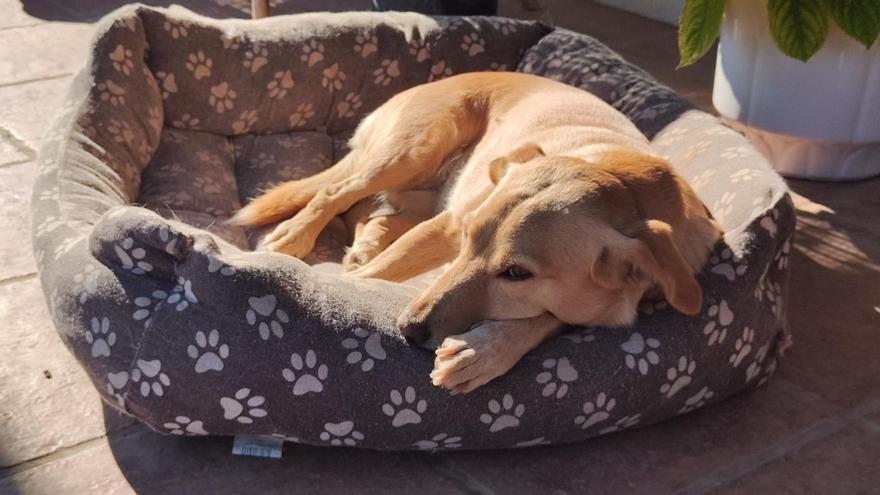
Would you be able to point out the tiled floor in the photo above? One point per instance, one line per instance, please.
(814, 429)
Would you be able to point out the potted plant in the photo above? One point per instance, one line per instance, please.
(801, 78)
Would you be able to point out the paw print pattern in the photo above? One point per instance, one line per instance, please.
(100, 337)
(581, 336)
(244, 122)
(372, 349)
(182, 425)
(754, 369)
(623, 423)
(181, 296)
(387, 71)
(342, 433)
(221, 97)
(255, 58)
(167, 83)
(404, 409)
(263, 314)
(439, 71)
(703, 178)
(716, 328)
(678, 377)
(305, 374)
(735, 153)
(178, 29)
(347, 107)
(769, 222)
(115, 387)
(723, 206)
(697, 400)
(332, 78)
(440, 441)
(132, 258)
(595, 411)
(281, 83)
(111, 92)
(208, 352)
(199, 64)
(207, 184)
(312, 53)
(728, 264)
(366, 44)
(230, 43)
(473, 44)
(640, 352)
(303, 113)
(215, 265)
(122, 59)
(419, 48)
(86, 283)
(745, 175)
(532, 443)
(243, 407)
(503, 415)
(742, 347)
(151, 378)
(559, 373)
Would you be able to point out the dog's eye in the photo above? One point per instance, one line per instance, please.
(515, 273)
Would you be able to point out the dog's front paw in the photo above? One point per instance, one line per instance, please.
(290, 238)
(474, 358)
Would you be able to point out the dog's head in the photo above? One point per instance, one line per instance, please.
(559, 235)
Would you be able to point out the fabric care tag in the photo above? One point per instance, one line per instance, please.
(257, 446)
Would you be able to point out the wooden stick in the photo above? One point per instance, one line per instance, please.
(259, 9)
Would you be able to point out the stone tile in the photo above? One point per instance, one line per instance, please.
(146, 462)
(844, 463)
(45, 50)
(16, 182)
(15, 15)
(46, 400)
(656, 459)
(835, 291)
(27, 109)
(12, 150)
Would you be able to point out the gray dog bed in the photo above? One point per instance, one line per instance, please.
(177, 120)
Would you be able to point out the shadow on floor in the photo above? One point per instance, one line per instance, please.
(92, 10)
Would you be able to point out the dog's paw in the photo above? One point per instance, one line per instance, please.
(290, 237)
(354, 259)
(474, 358)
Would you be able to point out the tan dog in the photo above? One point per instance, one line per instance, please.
(549, 203)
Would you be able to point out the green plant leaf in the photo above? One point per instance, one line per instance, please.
(858, 18)
(698, 28)
(799, 27)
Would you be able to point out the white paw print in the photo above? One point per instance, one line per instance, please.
(724, 206)
(100, 337)
(502, 415)
(716, 328)
(372, 349)
(342, 433)
(132, 258)
(702, 178)
(559, 373)
(769, 222)
(736, 152)
(728, 264)
(86, 283)
(312, 52)
(781, 257)
(387, 71)
(678, 376)
(742, 347)
(404, 408)
(116, 382)
(182, 425)
(305, 374)
(181, 296)
(697, 400)
(622, 424)
(263, 309)
(754, 369)
(473, 44)
(595, 411)
(243, 407)
(215, 265)
(438, 442)
(581, 336)
(208, 356)
(151, 378)
(640, 352)
(745, 175)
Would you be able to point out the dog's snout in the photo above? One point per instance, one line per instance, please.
(413, 331)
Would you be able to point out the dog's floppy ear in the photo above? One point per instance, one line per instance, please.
(651, 255)
(498, 167)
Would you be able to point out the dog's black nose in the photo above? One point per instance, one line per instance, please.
(417, 333)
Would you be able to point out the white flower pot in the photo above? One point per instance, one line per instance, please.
(818, 120)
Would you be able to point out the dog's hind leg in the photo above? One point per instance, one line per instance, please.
(284, 200)
(377, 222)
(427, 246)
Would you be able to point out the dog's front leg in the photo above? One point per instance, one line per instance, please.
(487, 351)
